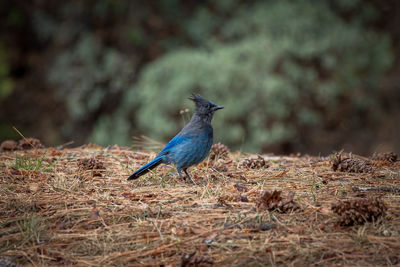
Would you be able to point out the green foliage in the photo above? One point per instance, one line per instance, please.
(6, 84)
(25, 163)
(32, 164)
(89, 74)
(277, 66)
(111, 130)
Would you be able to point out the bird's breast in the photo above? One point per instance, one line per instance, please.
(194, 151)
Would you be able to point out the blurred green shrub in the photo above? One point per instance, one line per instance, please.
(6, 84)
(91, 78)
(278, 67)
(87, 74)
(111, 129)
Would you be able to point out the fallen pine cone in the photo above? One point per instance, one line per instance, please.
(273, 200)
(8, 145)
(219, 151)
(220, 167)
(348, 164)
(92, 164)
(359, 211)
(254, 163)
(388, 156)
(23, 144)
(29, 143)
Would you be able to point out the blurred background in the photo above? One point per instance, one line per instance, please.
(294, 76)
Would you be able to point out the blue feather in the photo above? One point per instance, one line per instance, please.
(146, 168)
(174, 143)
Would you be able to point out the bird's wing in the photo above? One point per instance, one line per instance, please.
(175, 142)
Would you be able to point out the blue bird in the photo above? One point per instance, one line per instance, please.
(191, 145)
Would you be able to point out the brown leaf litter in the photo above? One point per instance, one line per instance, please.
(196, 260)
(274, 212)
(389, 157)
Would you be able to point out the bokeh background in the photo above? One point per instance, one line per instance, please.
(294, 76)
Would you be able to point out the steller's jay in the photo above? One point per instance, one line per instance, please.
(191, 145)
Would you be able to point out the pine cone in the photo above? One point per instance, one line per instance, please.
(92, 164)
(254, 163)
(219, 151)
(29, 143)
(272, 200)
(220, 166)
(359, 211)
(348, 164)
(388, 156)
(8, 145)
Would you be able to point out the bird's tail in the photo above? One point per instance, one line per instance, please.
(146, 168)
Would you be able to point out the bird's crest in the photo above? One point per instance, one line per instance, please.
(198, 99)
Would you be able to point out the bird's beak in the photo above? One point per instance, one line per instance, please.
(217, 107)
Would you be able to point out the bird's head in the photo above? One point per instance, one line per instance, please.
(204, 107)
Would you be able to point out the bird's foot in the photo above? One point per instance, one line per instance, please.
(188, 180)
(191, 181)
(188, 176)
(182, 178)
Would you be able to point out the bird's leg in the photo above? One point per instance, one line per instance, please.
(188, 176)
(180, 174)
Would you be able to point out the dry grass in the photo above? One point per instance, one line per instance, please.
(57, 212)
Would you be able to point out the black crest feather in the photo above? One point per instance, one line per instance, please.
(199, 100)
(196, 97)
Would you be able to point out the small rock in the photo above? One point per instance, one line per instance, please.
(265, 226)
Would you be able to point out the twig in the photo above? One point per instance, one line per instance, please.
(9, 232)
(158, 230)
(383, 189)
(15, 129)
(65, 144)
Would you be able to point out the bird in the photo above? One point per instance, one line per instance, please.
(191, 145)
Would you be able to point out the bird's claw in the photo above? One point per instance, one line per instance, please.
(191, 181)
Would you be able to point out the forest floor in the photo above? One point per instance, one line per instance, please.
(75, 207)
